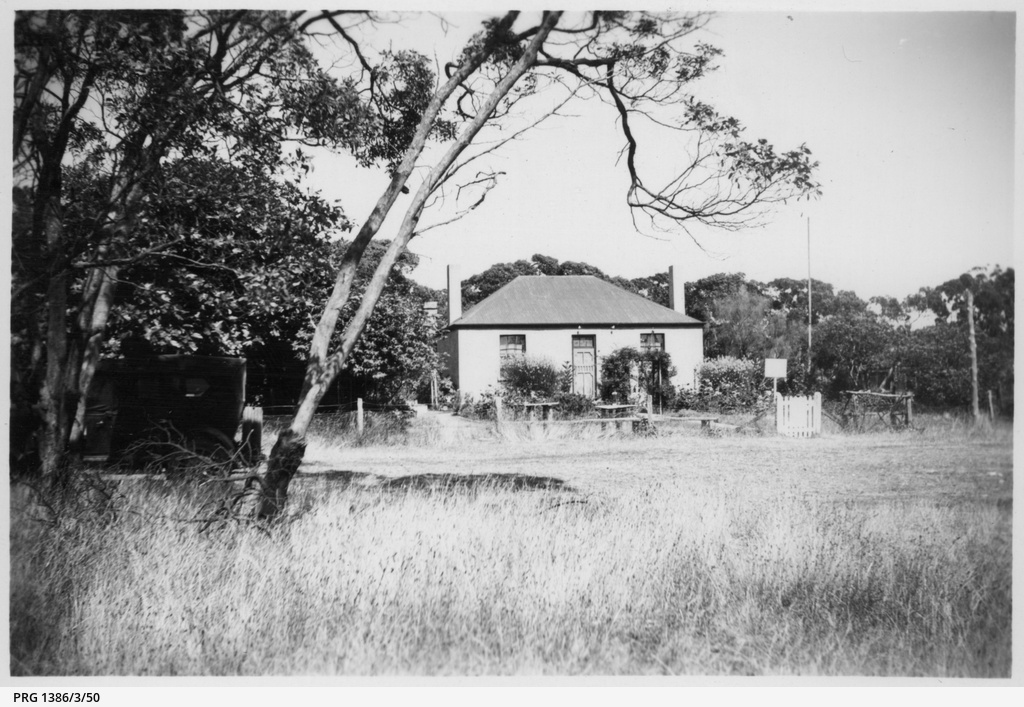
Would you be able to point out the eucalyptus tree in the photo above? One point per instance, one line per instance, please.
(992, 289)
(119, 95)
(479, 286)
(980, 304)
(641, 64)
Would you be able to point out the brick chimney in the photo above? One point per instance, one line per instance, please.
(676, 291)
(454, 294)
(430, 309)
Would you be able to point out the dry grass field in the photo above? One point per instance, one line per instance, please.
(455, 551)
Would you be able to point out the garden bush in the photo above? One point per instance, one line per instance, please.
(573, 405)
(566, 377)
(531, 377)
(482, 408)
(628, 373)
(725, 384)
(617, 374)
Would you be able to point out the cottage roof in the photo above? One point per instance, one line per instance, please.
(568, 300)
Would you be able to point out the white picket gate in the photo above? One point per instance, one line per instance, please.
(798, 416)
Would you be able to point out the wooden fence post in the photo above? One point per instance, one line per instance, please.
(497, 413)
(816, 414)
(252, 434)
(359, 416)
(975, 412)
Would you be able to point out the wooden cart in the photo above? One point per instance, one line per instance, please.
(864, 410)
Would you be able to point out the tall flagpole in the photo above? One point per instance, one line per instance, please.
(809, 295)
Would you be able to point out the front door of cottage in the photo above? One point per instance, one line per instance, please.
(584, 365)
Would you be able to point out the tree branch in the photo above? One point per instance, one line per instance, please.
(156, 250)
(350, 261)
(491, 181)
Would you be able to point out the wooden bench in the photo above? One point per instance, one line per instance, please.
(607, 410)
(604, 421)
(546, 409)
(705, 420)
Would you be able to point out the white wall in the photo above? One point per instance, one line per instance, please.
(477, 361)
(686, 347)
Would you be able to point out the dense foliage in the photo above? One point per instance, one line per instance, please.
(481, 285)
(886, 344)
(574, 405)
(392, 358)
(531, 377)
(115, 112)
(631, 374)
(250, 262)
(727, 384)
(247, 255)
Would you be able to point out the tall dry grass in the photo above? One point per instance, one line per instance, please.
(432, 573)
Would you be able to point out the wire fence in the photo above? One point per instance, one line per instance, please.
(342, 407)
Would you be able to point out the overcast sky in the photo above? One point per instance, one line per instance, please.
(910, 114)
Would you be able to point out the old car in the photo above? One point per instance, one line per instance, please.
(170, 409)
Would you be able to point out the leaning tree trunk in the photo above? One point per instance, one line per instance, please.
(287, 453)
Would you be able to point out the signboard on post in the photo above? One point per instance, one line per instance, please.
(775, 368)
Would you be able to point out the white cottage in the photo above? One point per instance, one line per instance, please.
(572, 318)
